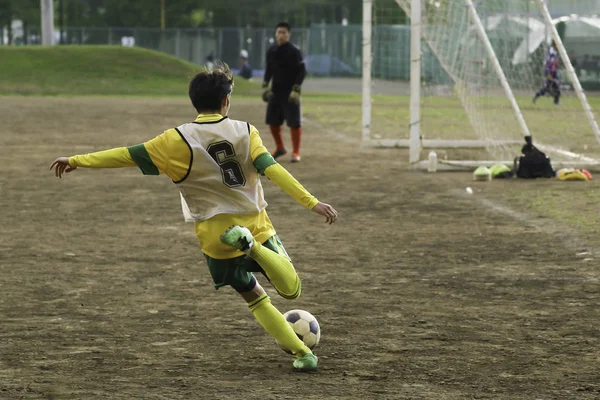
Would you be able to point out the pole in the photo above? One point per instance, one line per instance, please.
(61, 21)
(366, 69)
(496, 64)
(47, 12)
(415, 83)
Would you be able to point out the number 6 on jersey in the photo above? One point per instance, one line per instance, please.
(231, 171)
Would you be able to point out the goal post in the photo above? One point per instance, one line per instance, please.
(492, 56)
(366, 69)
(462, 62)
(415, 85)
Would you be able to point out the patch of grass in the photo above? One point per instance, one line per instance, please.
(571, 204)
(98, 70)
(565, 126)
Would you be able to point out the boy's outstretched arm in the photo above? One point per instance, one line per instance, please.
(282, 178)
(266, 165)
(165, 154)
(113, 158)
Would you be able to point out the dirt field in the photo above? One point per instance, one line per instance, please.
(422, 291)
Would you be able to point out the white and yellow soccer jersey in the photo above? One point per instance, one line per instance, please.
(221, 178)
(172, 153)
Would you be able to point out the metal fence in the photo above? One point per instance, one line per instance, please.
(329, 50)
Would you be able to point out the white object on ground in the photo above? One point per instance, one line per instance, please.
(432, 167)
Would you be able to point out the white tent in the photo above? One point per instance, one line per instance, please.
(582, 35)
(501, 27)
(512, 25)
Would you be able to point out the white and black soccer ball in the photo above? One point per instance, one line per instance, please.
(306, 327)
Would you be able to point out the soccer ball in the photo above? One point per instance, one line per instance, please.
(305, 325)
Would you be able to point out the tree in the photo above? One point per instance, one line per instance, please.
(28, 11)
(195, 13)
(6, 17)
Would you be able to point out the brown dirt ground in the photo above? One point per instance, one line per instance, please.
(422, 292)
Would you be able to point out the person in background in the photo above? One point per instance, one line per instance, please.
(552, 83)
(245, 68)
(285, 71)
(209, 61)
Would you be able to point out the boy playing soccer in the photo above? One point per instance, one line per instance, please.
(552, 82)
(216, 162)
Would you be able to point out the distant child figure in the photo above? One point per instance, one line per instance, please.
(552, 84)
(216, 164)
(245, 68)
(209, 61)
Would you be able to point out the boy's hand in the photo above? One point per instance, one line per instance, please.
(61, 166)
(327, 211)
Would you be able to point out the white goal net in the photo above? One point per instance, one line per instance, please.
(481, 63)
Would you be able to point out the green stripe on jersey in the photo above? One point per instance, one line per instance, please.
(263, 161)
(142, 159)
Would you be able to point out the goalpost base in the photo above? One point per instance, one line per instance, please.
(435, 143)
(471, 165)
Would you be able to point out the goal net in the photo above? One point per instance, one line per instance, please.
(478, 66)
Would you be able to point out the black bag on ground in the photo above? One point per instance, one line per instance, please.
(533, 163)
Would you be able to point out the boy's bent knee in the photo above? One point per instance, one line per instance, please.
(295, 293)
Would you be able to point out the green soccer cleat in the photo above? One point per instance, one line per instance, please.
(307, 363)
(239, 237)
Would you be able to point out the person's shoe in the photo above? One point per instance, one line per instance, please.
(307, 363)
(278, 153)
(295, 158)
(239, 237)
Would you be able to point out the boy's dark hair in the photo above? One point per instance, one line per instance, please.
(284, 24)
(208, 88)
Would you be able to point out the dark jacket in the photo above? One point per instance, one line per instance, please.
(285, 65)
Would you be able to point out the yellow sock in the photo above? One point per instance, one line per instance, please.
(279, 270)
(275, 324)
